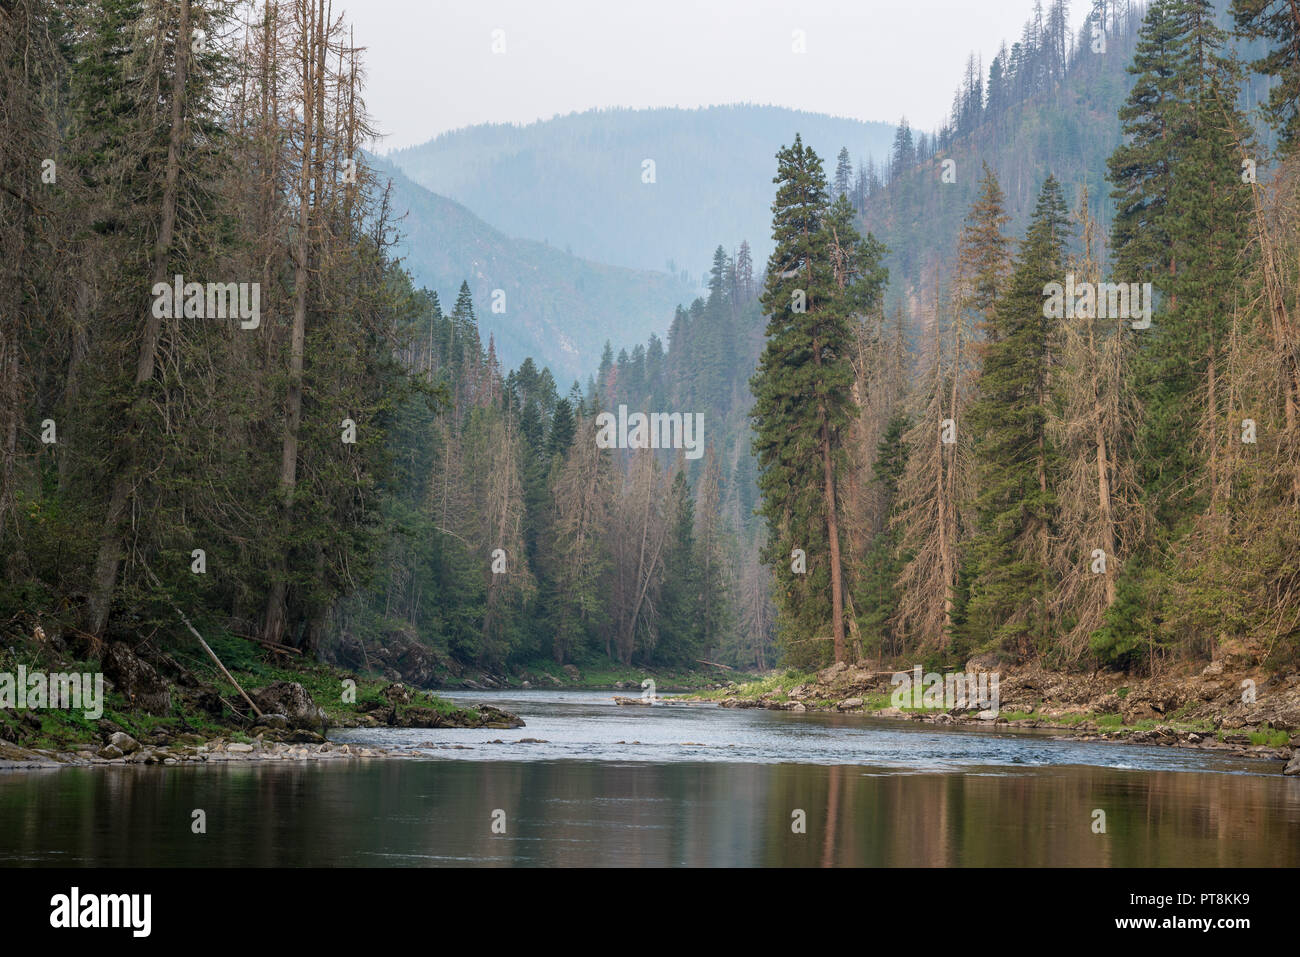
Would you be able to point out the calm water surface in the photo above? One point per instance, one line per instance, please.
(671, 785)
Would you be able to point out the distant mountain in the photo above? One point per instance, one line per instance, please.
(558, 308)
(576, 180)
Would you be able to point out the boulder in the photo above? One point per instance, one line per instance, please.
(990, 661)
(1293, 766)
(274, 721)
(136, 679)
(572, 672)
(827, 675)
(849, 703)
(396, 694)
(291, 700)
(304, 737)
(123, 742)
(110, 752)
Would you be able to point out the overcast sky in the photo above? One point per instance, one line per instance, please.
(432, 67)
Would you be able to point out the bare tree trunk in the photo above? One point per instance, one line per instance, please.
(833, 532)
(274, 622)
(108, 559)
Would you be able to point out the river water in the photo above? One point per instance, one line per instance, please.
(671, 785)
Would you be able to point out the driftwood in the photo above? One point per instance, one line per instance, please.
(715, 664)
(211, 654)
(272, 644)
(620, 699)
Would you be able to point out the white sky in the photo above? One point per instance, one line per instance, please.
(432, 69)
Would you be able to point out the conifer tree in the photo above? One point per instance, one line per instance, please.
(1015, 502)
(803, 397)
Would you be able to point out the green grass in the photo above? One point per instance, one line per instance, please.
(600, 673)
(1270, 737)
(781, 683)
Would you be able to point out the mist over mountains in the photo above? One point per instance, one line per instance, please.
(558, 308)
(576, 181)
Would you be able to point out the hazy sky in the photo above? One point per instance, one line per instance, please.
(432, 67)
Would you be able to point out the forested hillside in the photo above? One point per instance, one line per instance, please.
(537, 300)
(223, 393)
(1048, 102)
(1089, 456)
(713, 345)
(223, 396)
(580, 181)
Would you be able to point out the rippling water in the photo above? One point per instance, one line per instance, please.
(588, 725)
(672, 785)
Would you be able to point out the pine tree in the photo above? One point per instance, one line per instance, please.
(1277, 23)
(1015, 505)
(1098, 495)
(1181, 224)
(803, 398)
(843, 174)
(680, 630)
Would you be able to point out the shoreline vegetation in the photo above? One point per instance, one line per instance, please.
(1204, 710)
(160, 711)
(163, 707)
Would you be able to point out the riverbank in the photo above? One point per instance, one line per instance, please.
(159, 709)
(1219, 708)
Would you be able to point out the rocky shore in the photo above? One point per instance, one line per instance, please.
(1221, 708)
(292, 727)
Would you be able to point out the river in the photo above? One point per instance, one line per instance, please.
(671, 785)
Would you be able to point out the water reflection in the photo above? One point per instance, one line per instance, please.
(565, 813)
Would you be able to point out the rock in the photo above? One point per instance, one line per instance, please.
(110, 752)
(396, 694)
(988, 715)
(239, 748)
(1213, 668)
(304, 737)
(828, 675)
(277, 721)
(526, 685)
(987, 662)
(798, 707)
(291, 700)
(1293, 766)
(490, 717)
(136, 679)
(123, 742)
(572, 672)
(849, 703)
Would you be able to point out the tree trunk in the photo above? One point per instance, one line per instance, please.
(274, 623)
(108, 558)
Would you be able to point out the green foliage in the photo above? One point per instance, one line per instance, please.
(1015, 505)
